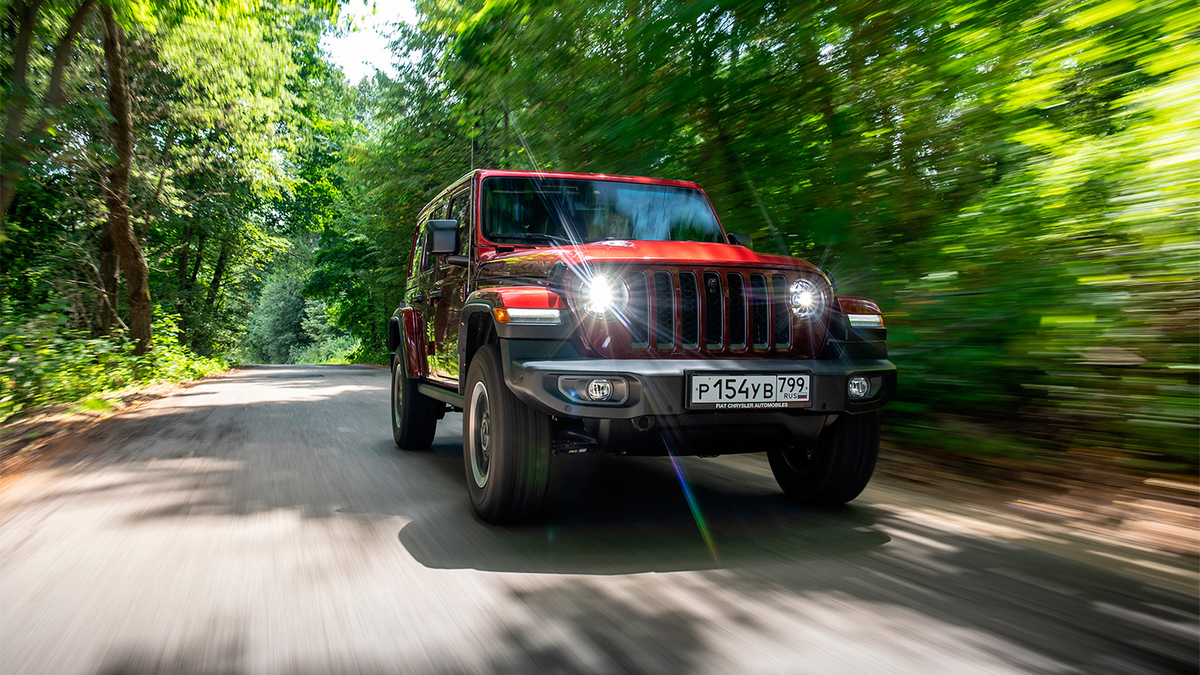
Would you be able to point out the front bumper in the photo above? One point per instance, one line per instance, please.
(658, 386)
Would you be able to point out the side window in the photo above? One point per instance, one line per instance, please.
(418, 256)
(426, 259)
(436, 212)
(460, 210)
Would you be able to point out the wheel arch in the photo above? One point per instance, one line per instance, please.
(404, 338)
(477, 328)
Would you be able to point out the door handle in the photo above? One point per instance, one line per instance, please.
(419, 297)
(435, 295)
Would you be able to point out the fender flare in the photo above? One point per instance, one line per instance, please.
(487, 300)
(405, 337)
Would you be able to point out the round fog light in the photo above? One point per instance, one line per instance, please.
(599, 390)
(858, 387)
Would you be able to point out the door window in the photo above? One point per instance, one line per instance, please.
(460, 210)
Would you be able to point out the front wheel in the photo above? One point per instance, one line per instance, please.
(836, 468)
(506, 445)
(414, 415)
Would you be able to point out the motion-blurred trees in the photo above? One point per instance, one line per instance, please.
(1015, 182)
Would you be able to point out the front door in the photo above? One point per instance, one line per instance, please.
(449, 293)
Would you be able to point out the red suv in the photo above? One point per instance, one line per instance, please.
(566, 313)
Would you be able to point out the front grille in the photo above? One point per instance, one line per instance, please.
(781, 328)
(759, 311)
(711, 311)
(689, 311)
(714, 311)
(737, 312)
(664, 311)
(639, 311)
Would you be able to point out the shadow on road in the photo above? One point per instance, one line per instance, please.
(818, 585)
(624, 516)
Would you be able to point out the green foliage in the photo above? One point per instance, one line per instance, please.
(341, 349)
(43, 362)
(277, 326)
(1015, 183)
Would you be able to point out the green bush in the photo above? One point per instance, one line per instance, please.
(339, 349)
(44, 362)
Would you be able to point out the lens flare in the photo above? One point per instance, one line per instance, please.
(694, 505)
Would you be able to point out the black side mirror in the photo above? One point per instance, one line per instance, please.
(739, 239)
(442, 236)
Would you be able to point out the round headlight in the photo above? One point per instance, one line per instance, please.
(603, 296)
(807, 300)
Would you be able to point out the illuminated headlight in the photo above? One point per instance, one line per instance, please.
(603, 296)
(807, 300)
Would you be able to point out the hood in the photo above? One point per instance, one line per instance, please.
(650, 253)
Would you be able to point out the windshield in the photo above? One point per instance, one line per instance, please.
(565, 211)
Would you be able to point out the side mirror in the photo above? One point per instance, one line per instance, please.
(442, 236)
(740, 239)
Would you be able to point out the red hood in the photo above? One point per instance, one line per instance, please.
(655, 253)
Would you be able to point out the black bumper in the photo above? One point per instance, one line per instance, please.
(658, 386)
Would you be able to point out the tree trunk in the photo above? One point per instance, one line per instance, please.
(218, 272)
(133, 261)
(26, 19)
(106, 304)
(25, 16)
(199, 261)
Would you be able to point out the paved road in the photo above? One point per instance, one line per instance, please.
(265, 523)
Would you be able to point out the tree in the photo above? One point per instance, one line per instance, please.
(27, 15)
(117, 227)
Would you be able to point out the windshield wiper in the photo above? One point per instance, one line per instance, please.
(551, 238)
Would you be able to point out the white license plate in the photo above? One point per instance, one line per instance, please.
(736, 392)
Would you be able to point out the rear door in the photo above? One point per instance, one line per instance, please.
(449, 291)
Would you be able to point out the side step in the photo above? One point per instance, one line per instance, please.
(446, 396)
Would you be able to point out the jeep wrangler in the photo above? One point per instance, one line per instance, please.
(566, 313)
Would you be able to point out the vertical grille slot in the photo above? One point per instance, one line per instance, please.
(759, 311)
(781, 326)
(737, 312)
(714, 311)
(664, 311)
(689, 311)
(639, 311)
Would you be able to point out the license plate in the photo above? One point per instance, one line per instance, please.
(741, 392)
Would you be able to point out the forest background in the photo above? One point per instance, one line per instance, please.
(187, 186)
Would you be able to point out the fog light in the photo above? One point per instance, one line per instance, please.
(609, 390)
(599, 390)
(858, 387)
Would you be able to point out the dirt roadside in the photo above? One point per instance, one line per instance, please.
(45, 433)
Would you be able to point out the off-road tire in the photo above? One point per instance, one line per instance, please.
(512, 442)
(414, 415)
(837, 468)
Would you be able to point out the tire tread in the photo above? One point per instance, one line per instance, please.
(849, 449)
(420, 417)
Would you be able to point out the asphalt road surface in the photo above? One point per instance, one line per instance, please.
(264, 522)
